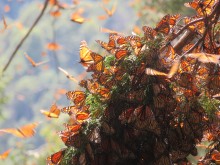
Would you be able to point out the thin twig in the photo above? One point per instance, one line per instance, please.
(25, 37)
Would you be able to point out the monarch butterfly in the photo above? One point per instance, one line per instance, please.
(205, 57)
(168, 52)
(25, 131)
(73, 127)
(110, 46)
(122, 40)
(163, 25)
(103, 78)
(53, 46)
(5, 25)
(81, 117)
(68, 75)
(78, 97)
(70, 138)
(56, 157)
(98, 64)
(69, 110)
(119, 54)
(216, 157)
(149, 33)
(201, 7)
(85, 54)
(173, 19)
(33, 63)
(174, 68)
(76, 16)
(104, 92)
(153, 72)
(5, 154)
(112, 11)
(92, 86)
(53, 113)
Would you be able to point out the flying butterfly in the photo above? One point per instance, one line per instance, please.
(33, 63)
(5, 154)
(153, 72)
(85, 54)
(54, 112)
(68, 75)
(112, 11)
(205, 57)
(5, 25)
(25, 131)
(76, 16)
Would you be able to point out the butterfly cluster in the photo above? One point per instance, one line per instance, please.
(146, 102)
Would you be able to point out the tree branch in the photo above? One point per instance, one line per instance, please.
(25, 37)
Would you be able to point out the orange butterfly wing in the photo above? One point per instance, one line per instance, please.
(56, 157)
(121, 54)
(85, 54)
(5, 154)
(163, 26)
(22, 132)
(53, 113)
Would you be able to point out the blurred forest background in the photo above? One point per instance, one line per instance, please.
(25, 90)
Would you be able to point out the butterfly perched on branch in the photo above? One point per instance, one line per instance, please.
(56, 157)
(85, 54)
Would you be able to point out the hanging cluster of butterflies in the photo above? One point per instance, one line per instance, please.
(145, 103)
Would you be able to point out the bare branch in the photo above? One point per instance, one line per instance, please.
(25, 37)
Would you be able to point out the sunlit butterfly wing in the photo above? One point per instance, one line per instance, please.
(174, 68)
(82, 116)
(173, 19)
(69, 110)
(53, 113)
(78, 97)
(25, 131)
(73, 128)
(153, 72)
(5, 154)
(104, 92)
(163, 26)
(56, 157)
(85, 54)
(121, 54)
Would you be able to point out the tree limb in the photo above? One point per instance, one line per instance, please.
(25, 37)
